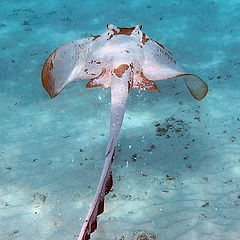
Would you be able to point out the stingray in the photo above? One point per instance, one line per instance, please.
(120, 59)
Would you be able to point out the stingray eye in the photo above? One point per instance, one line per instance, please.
(110, 27)
(138, 27)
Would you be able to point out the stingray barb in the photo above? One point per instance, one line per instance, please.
(120, 59)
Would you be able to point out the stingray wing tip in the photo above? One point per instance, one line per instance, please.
(48, 80)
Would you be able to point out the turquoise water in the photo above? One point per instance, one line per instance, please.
(179, 182)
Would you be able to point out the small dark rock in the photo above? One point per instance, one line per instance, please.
(189, 166)
(39, 199)
(13, 233)
(25, 22)
(134, 157)
(161, 131)
(205, 204)
(170, 178)
(67, 136)
(114, 196)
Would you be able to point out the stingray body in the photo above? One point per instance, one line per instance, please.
(122, 59)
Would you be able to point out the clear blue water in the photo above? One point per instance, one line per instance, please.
(182, 185)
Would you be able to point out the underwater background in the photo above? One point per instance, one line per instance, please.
(177, 165)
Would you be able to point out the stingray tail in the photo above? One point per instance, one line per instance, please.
(97, 207)
(120, 88)
(119, 93)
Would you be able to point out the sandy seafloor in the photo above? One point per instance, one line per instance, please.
(177, 166)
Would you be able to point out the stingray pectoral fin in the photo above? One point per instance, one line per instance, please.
(159, 64)
(197, 87)
(70, 62)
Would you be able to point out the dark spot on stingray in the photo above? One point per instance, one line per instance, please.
(120, 70)
(80, 150)
(95, 37)
(144, 38)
